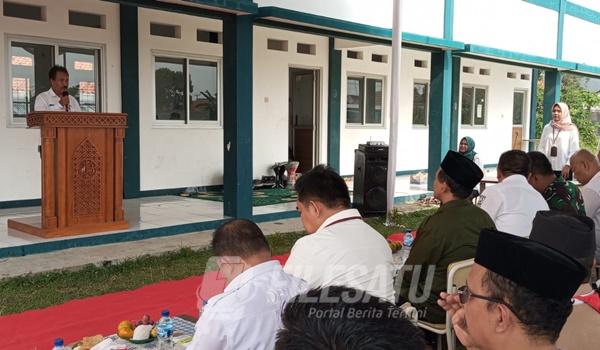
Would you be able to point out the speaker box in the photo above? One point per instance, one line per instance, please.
(370, 179)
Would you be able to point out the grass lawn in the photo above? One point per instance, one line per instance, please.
(30, 292)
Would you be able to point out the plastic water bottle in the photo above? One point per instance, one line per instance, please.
(164, 329)
(59, 344)
(408, 238)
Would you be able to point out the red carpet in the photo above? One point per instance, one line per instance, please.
(36, 329)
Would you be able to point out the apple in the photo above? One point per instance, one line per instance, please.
(146, 319)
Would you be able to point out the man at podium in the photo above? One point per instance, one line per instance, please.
(57, 98)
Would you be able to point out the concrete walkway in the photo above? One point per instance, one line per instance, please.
(76, 258)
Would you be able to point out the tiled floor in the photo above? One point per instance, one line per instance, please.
(163, 211)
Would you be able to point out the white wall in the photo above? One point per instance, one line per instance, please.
(512, 25)
(177, 155)
(581, 41)
(491, 140)
(413, 140)
(496, 136)
(271, 94)
(20, 176)
(425, 17)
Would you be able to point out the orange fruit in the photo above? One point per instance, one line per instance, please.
(125, 324)
(125, 333)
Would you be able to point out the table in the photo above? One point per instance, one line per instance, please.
(183, 329)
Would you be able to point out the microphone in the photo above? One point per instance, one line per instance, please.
(66, 93)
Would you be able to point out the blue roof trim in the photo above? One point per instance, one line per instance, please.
(571, 9)
(549, 4)
(347, 26)
(247, 6)
(584, 68)
(583, 13)
(520, 57)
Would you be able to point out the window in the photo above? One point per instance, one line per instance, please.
(420, 98)
(186, 90)
(307, 49)
(209, 37)
(83, 19)
(355, 55)
(277, 45)
(29, 66)
(13, 9)
(379, 58)
(364, 103)
(518, 107)
(474, 103)
(420, 63)
(166, 30)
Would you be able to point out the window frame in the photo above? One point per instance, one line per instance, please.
(485, 118)
(188, 123)
(427, 83)
(57, 44)
(363, 123)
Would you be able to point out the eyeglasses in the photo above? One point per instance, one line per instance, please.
(464, 294)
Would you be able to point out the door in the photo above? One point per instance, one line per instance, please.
(519, 98)
(302, 117)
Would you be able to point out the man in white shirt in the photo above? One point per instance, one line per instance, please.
(586, 169)
(513, 203)
(247, 314)
(341, 249)
(57, 98)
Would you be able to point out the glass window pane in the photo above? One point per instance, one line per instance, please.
(374, 101)
(466, 113)
(204, 102)
(82, 65)
(518, 107)
(29, 65)
(170, 88)
(354, 102)
(420, 103)
(480, 106)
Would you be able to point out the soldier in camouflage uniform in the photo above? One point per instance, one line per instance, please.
(560, 194)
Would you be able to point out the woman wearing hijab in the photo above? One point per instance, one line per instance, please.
(466, 147)
(560, 140)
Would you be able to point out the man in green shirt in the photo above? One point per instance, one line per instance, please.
(561, 195)
(449, 235)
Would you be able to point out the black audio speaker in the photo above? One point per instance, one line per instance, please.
(370, 179)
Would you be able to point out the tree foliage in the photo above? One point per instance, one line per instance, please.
(580, 102)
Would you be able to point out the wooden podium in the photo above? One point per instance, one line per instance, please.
(82, 174)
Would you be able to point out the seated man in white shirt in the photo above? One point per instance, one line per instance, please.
(247, 314)
(57, 98)
(513, 202)
(586, 170)
(345, 318)
(341, 249)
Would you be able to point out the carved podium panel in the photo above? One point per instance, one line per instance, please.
(82, 174)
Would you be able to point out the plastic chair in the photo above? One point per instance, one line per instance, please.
(457, 277)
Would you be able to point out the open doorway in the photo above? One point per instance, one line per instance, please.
(303, 117)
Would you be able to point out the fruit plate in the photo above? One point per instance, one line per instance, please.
(144, 341)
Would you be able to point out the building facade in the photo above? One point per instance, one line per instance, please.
(216, 91)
